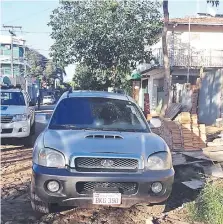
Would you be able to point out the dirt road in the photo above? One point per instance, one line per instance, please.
(16, 172)
(16, 208)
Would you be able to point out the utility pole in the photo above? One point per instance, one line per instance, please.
(25, 69)
(11, 31)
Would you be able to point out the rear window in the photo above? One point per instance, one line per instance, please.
(12, 98)
(98, 113)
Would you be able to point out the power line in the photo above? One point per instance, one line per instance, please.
(26, 17)
(28, 32)
(40, 49)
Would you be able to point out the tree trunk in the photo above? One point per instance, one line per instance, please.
(166, 64)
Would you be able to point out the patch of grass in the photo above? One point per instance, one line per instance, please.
(208, 208)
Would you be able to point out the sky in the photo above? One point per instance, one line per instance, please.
(33, 16)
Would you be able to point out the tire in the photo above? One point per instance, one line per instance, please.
(39, 207)
(28, 141)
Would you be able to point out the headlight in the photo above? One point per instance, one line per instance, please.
(159, 161)
(51, 158)
(20, 117)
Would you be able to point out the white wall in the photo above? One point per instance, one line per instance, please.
(198, 40)
(154, 74)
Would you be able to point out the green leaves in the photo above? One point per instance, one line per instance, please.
(36, 63)
(214, 3)
(105, 34)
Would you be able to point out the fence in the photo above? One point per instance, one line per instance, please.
(192, 58)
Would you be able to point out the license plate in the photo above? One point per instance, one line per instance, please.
(107, 198)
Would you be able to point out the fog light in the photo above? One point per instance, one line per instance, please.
(156, 187)
(53, 186)
(24, 129)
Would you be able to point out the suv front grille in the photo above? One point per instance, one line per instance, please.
(126, 188)
(88, 164)
(7, 131)
(6, 119)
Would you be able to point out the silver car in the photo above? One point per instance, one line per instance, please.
(98, 149)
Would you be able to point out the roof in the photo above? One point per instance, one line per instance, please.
(6, 39)
(100, 94)
(198, 20)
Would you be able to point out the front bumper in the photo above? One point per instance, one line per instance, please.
(68, 195)
(18, 129)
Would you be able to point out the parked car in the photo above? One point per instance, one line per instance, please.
(98, 149)
(48, 100)
(17, 114)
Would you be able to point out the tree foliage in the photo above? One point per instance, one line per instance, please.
(90, 79)
(107, 38)
(36, 63)
(214, 3)
(42, 68)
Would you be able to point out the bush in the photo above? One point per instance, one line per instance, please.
(208, 207)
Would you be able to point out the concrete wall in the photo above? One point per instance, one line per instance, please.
(210, 102)
(198, 40)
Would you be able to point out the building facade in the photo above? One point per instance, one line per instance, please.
(195, 49)
(16, 74)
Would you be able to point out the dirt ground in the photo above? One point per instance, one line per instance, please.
(16, 208)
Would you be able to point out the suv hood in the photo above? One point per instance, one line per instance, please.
(12, 109)
(71, 142)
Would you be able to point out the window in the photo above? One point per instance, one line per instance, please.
(12, 98)
(98, 113)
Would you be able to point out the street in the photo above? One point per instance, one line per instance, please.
(16, 207)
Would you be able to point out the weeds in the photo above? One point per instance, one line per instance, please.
(208, 207)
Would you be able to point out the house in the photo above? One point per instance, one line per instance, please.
(20, 64)
(195, 48)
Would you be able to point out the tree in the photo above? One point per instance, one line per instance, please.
(89, 79)
(36, 63)
(166, 63)
(50, 69)
(108, 37)
(214, 3)
(49, 72)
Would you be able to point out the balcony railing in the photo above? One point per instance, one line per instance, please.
(191, 58)
(7, 72)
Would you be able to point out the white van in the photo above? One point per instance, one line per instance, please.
(17, 114)
(48, 100)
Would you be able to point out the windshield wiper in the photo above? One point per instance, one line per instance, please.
(74, 127)
(123, 129)
(71, 127)
(64, 126)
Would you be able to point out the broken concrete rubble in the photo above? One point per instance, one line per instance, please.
(194, 184)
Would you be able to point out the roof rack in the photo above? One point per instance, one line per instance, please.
(6, 86)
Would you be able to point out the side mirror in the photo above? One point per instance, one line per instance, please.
(32, 104)
(155, 122)
(42, 118)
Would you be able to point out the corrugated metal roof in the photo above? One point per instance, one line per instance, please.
(198, 20)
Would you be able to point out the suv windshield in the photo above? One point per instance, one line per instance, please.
(12, 98)
(98, 113)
